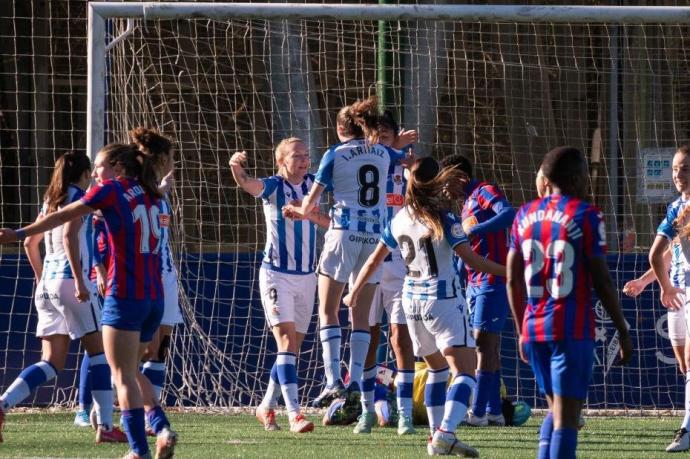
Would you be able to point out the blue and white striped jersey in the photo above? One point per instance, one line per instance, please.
(355, 172)
(164, 218)
(431, 272)
(290, 244)
(668, 228)
(56, 264)
(677, 272)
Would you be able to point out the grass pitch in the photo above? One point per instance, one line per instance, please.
(43, 435)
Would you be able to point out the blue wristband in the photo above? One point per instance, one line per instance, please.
(20, 233)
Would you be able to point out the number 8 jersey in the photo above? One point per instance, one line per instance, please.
(134, 235)
(556, 236)
(356, 173)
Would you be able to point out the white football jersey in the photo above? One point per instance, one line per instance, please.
(357, 173)
(431, 272)
(56, 264)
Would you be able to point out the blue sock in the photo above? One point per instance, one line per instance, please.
(133, 423)
(102, 389)
(85, 399)
(28, 380)
(545, 437)
(287, 375)
(495, 404)
(157, 419)
(563, 444)
(485, 382)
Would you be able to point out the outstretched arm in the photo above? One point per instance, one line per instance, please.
(670, 295)
(75, 210)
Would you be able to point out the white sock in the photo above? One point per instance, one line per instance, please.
(330, 343)
(359, 347)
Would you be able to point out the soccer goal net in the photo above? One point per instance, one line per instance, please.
(501, 85)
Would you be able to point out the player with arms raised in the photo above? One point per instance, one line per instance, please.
(557, 253)
(428, 236)
(286, 277)
(355, 171)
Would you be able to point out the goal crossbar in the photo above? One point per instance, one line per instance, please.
(98, 12)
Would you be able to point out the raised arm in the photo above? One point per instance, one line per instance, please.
(251, 185)
(55, 219)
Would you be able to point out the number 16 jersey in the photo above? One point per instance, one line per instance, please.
(557, 236)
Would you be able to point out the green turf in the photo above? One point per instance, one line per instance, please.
(217, 436)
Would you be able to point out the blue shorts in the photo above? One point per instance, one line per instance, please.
(135, 315)
(488, 307)
(562, 367)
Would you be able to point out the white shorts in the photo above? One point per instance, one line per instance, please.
(171, 298)
(60, 313)
(436, 325)
(287, 298)
(388, 296)
(344, 253)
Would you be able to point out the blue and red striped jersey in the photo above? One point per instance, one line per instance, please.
(556, 236)
(484, 202)
(132, 219)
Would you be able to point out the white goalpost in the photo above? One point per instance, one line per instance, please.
(501, 84)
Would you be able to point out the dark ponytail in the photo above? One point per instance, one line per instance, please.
(135, 163)
(69, 168)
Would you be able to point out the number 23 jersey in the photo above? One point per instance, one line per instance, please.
(431, 272)
(557, 236)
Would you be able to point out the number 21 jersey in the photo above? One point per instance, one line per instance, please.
(430, 265)
(556, 237)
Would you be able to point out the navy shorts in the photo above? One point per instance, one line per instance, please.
(562, 367)
(134, 315)
(488, 307)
